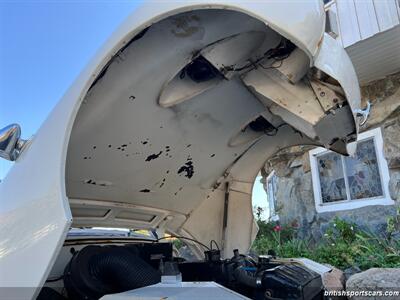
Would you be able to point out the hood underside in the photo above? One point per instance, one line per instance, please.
(177, 125)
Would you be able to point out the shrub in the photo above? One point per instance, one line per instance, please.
(344, 245)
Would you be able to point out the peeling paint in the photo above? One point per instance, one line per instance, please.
(153, 156)
(187, 168)
(162, 183)
(98, 183)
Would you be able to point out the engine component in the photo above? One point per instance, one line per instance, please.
(99, 270)
(269, 278)
(96, 271)
(289, 281)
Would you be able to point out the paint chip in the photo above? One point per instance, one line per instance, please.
(153, 156)
(187, 168)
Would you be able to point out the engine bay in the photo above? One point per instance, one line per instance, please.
(143, 270)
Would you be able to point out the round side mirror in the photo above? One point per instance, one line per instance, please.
(10, 142)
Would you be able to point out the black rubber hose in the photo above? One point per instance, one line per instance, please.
(96, 271)
(244, 278)
(122, 269)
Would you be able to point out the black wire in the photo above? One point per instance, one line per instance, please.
(271, 53)
(182, 238)
(55, 279)
(272, 65)
(215, 243)
(273, 133)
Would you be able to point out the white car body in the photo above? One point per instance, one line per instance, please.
(51, 177)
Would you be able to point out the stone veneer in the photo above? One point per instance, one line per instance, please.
(295, 199)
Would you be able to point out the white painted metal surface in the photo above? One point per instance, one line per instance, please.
(114, 102)
(179, 291)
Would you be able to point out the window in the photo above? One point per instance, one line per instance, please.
(342, 182)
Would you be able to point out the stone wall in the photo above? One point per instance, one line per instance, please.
(294, 195)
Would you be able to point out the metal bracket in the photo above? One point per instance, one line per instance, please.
(363, 113)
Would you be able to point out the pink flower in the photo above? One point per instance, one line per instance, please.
(277, 228)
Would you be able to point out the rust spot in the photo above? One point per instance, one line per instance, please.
(320, 41)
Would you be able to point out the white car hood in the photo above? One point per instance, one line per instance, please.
(132, 146)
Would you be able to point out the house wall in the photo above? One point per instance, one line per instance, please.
(355, 20)
(294, 195)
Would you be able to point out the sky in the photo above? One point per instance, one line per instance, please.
(43, 47)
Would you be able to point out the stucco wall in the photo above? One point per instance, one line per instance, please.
(294, 195)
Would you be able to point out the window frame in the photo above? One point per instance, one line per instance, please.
(376, 136)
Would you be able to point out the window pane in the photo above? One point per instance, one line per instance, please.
(363, 172)
(333, 187)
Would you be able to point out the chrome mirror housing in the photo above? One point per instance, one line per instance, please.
(11, 143)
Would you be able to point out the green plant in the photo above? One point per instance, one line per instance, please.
(343, 245)
(393, 223)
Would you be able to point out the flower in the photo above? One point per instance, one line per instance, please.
(277, 228)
